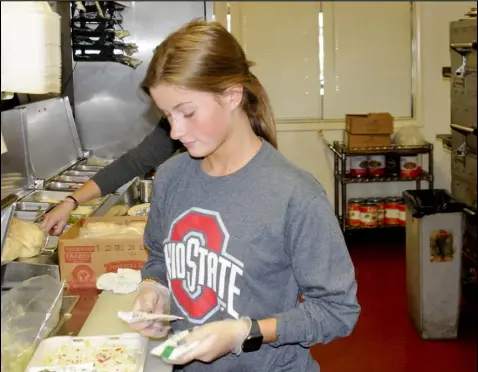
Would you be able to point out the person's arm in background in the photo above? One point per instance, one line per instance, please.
(156, 148)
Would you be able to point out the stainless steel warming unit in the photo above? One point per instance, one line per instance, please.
(463, 141)
(49, 152)
(45, 163)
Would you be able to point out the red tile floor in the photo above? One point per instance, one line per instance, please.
(384, 339)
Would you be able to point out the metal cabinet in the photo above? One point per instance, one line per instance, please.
(463, 144)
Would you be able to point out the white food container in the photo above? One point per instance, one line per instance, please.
(132, 341)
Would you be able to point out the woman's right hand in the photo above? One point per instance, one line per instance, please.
(152, 298)
(55, 221)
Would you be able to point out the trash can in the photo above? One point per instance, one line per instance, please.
(434, 235)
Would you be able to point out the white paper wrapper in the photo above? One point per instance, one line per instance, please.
(122, 282)
(135, 317)
(173, 342)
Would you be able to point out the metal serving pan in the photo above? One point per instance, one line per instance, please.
(28, 215)
(75, 173)
(46, 196)
(91, 162)
(32, 206)
(74, 179)
(63, 186)
(87, 168)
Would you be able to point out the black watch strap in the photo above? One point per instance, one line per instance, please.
(253, 341)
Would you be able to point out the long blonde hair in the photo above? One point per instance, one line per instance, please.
(204, 56)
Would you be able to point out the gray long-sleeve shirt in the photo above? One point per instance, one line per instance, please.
(246, 245)
(155, 148)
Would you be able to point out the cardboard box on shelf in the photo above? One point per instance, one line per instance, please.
(374, 123)
(83, 260)
(366, 140)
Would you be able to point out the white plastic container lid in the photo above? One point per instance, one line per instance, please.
(31, 48)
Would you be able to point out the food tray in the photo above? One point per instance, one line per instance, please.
(41, 196)
(132, 341)
(75, 179)
(51, 243)
(84, 211)
(27, 215)
(8, 190)
(93, 162)
(11, 175)
(63, 186)
(87, 168)
(95, 202)
(32, 206)
(9, 180)
(75, 173)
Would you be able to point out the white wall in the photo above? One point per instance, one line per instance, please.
(306, 149)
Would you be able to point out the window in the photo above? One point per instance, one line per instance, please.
(281, 38)
(367, 58)
(322, 60)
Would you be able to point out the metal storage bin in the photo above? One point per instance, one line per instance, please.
(463, 81)
(434, 234)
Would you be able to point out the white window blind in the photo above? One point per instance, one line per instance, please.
(219, 9)
(365, 51)
(282, 39)
(368, 58)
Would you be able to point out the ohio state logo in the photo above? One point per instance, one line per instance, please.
(202, 275)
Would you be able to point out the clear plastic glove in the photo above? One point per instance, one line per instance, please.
(152, 298)
(214, 340)
(55, 221)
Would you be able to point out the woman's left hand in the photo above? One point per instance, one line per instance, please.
(215, 340)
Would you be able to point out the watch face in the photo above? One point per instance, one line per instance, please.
(252, 343)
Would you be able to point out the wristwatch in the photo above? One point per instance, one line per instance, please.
(253, 341)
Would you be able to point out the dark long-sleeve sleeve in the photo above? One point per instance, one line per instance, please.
(155, 148)
(326, 278)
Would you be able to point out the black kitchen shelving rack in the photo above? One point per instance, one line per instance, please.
(341, 178)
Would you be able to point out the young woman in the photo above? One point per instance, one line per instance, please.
(236, 231)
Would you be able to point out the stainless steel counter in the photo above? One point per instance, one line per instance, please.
(41, 179)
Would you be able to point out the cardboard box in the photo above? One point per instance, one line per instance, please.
(366, 140)
(83, 260)
(378, 123)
